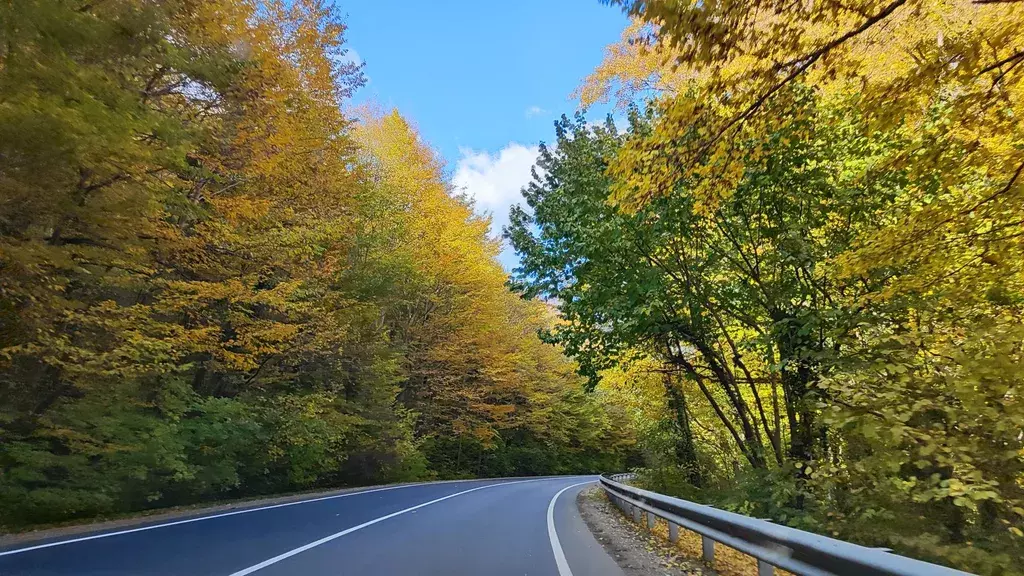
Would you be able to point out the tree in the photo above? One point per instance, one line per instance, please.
(475, 373)
(215, 283)
(735, 299)
(941, 81)
(168, 284)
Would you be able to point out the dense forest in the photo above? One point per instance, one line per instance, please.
(800, 267)
(218, 279)
(789, 284)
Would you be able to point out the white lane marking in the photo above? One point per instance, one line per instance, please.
(556, 546)
(212, 516)
(337, 535)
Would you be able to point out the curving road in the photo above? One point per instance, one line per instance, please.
(492, 527)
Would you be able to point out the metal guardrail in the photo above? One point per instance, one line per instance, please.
(773, 546)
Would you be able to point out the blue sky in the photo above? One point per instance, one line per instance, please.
(483, 81)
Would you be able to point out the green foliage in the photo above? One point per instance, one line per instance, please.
(215, 284)
(831, 401)
(817, 226)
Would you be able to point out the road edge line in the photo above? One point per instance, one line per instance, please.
(556, 546)
(224, 514)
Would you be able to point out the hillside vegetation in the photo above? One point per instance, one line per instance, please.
(215, 282)
(800, 267)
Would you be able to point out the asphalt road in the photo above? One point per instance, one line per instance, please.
(489, 527)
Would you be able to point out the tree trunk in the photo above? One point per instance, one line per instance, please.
(686, 450)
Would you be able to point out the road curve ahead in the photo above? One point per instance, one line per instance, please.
(489, 527)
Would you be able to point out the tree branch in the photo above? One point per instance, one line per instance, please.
(801, 65)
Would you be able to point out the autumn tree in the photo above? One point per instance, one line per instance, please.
(217, 283)
(848, 176)
(476, 375)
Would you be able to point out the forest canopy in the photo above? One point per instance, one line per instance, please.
(218, 279)
(800, 264)
(785, 278)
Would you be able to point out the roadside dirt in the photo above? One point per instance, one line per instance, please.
(637, 551)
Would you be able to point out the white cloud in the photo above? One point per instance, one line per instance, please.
(352, 56)
(494, 181)
(535, 111)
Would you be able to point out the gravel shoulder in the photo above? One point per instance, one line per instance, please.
(637, 551)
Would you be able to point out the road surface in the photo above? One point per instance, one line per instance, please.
(490, 527)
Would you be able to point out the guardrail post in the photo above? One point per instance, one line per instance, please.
(764, 568)
(636, 514)
(708, 548)
(673, 532)
(650, 521)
